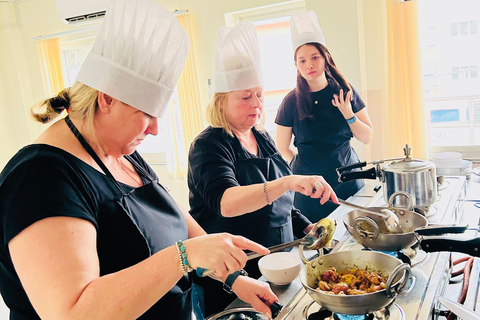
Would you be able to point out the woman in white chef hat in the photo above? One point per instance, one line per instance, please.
(88, 231)
(238, 181)
(321, 115)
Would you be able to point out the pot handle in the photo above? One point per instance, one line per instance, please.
(391, 289)
(471, 247)
(364, 234)
(352, 166)
(347, 176)
(401, 193)
(302, 255)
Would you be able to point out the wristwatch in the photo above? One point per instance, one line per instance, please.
(227, 286)
(352, 120)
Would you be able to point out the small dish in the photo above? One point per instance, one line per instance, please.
(280, 268)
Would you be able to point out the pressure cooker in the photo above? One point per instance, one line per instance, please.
(416, 177)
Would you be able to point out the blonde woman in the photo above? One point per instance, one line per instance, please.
(238, 181)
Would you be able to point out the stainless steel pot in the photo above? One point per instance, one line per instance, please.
(416, 177)
(398, 274)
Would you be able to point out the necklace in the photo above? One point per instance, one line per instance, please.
(137, 182)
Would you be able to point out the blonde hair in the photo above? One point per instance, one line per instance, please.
(215, 113)
(81, 102)
(216, 116)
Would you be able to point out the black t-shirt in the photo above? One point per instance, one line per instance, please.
(42, 181)
(213, 168)
(329, 129)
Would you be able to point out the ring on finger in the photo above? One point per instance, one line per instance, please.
(317, 184)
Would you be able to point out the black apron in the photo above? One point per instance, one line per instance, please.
(268, 226)
(152, 220)
(324, 163)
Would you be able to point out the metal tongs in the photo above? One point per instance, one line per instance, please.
(318, 237)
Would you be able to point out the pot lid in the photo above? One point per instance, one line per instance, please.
(238, 313)
(411, 165)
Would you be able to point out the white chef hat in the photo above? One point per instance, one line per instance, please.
(237, 58)
(138, 55)
(305, 28)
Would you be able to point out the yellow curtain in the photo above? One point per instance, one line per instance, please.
(405, 117)
(187, 116)
(51, 64)
(186, 113)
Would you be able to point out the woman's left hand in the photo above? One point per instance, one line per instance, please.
(255, 292)
(343, 104)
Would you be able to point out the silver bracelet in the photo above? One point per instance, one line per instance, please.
(265, 193)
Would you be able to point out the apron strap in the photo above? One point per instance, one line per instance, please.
(92, 153)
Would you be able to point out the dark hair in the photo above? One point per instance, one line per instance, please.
(335, 79)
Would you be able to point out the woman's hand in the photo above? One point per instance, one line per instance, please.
(255, 292)
(221, 252)
(343, 104)
(313, 186)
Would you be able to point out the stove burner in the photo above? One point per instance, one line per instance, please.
(313, 311)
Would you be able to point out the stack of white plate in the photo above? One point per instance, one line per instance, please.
(451, 164)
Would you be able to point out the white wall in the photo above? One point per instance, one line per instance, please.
(21, 82)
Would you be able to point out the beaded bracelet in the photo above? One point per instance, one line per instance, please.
(265, 193)
(182, 254)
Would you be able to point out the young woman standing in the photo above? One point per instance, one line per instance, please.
(321, 115)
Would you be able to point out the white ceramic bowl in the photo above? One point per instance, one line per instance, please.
(280, 268)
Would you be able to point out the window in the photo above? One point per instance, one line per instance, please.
(466, 28)
(474, 71)
(454, 29)
(455, 74)
(474, 27)
(73, 54)
(452, 95)
(273, 29)
(445, 115)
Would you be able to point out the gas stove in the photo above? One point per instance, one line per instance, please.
(430, 271)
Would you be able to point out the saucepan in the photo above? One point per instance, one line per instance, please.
(397, 272)
(414, 176)
(367, 230)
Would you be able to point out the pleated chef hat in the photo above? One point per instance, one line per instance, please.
(138, 55)
(305, 28)
(237, 58)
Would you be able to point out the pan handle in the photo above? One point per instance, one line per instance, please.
(436, 229)
(391, 289)
(367, 174)
(471, 247)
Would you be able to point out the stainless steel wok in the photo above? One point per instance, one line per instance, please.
(365, 229)
(398, 274)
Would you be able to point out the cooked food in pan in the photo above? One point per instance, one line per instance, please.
(351, 281)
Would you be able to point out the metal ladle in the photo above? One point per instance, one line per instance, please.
(315, 239)
(391, 219)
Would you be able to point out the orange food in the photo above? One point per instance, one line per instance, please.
(350, 281)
